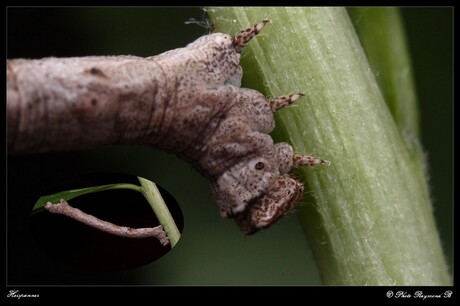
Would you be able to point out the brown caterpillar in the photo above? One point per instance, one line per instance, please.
(187, 101)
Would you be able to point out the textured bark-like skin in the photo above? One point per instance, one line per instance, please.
(75, 103)
(63, 208)
(187, 101)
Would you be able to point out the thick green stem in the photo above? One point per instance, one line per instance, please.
(368, 216)
(381, 33)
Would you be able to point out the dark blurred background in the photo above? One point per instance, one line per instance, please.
(211, 251)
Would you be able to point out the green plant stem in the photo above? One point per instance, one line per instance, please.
(153, 196)
(368, 217)
(381, 34)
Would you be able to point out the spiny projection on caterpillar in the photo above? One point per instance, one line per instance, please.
(187, 101)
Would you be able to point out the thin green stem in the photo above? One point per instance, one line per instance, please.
(153, 196)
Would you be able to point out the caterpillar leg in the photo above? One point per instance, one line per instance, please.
(306, 160)
(282, 101)
(244, 36)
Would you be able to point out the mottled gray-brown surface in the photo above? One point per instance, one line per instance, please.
(187, 101)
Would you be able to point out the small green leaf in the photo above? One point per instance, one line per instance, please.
(70, 194)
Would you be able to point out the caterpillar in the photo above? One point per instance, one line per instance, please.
(186, 101)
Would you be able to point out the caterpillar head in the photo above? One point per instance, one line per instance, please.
(258, 191)
(242, 184)
(256, 195)
(277, 202)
